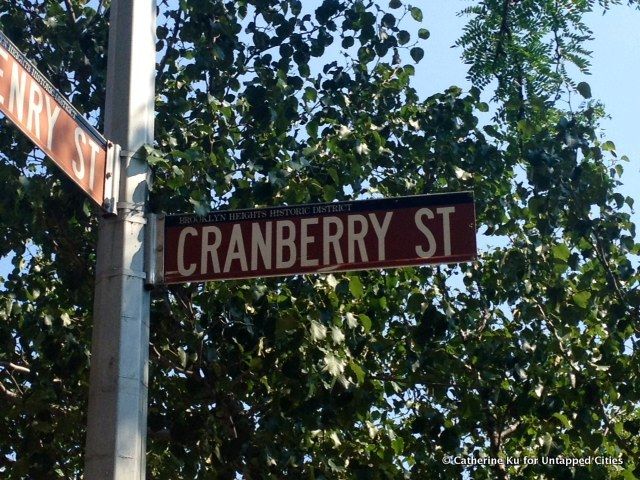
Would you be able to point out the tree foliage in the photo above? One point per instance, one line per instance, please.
(531, 351)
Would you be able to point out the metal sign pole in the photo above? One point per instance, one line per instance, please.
(117, 418)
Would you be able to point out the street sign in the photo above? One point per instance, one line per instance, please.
(316, 238)
(37, 108)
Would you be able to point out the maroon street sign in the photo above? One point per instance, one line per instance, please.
(317, 238)
(52, 123)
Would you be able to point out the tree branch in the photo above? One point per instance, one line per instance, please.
(14, 367)
(70, 12)
(504, 31)
(165, 362)
(8, 393)
(613, 280)
(495, 445)
(510, 430)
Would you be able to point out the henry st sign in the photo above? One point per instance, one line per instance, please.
(317, 238)
(52, 123)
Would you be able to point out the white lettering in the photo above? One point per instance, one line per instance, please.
(35, 108)
(306, 239)
(354, 237)
(446, 227)
(16, 93)
(421, 252)
(288, 242)
(236, 250)
(92, 169)
(52, 118)
(332, 240)
(381, 232)
(184, 271)
(261, 243)
(210, 250)
(78, 166)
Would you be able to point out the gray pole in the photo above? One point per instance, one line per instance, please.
(117, 419)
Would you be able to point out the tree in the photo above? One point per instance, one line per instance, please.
(379, 374)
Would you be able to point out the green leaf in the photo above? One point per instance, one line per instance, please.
(584, 89)
(398, 445)
(563, 419)
(318, 331)
(525, 127)
(66, 319)
(416, 53)
(336, 335)
(365, 321)
(286, 322)
(334, 175)
(310, 94)
(388, 20)
(403, 37)
(581, 299)
(312, 129)
(182, 357)
(333, 364)
(423, 33)
(358, 371)
(395, 4)
(355, 287)
(561, 252)
(347, 42)
(329, 193)
(416, 13)
(352, 322)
